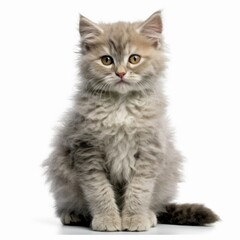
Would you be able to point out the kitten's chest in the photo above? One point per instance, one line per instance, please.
(120, 155)
(117, 125)
(120, 141)
(108, 118)
(118, 116)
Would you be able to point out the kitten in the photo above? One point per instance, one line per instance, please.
(114, 166)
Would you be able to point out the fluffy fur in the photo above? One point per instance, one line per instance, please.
(114, 164)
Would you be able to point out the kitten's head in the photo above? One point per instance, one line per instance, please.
(121, 57)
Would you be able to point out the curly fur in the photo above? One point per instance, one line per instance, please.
(114, 163)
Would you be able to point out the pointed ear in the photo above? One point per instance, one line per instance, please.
(152, 27)
(88, 29)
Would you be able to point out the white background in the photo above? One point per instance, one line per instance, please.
(38, 41)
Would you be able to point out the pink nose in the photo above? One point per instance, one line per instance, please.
(120, 74)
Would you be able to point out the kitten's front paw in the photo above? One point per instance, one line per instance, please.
(138, 222)
(109, 223)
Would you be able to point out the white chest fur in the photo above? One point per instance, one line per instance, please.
(116, 123)
(120, 127)
(120, 150)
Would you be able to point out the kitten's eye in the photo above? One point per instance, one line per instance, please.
(107, 60)
(134, 59)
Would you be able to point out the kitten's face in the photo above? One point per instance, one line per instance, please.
(121, 57)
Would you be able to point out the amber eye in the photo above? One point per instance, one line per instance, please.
(107, 60)
(134, 59)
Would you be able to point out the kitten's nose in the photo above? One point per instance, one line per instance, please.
(120, 74)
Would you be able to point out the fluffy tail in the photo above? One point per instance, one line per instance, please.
(187, 214)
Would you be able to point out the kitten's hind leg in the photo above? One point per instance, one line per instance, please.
(73, 219)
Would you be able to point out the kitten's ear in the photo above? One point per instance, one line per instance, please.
(88, 29)
(152, 27)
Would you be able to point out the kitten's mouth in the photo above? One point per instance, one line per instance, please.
(122, 82)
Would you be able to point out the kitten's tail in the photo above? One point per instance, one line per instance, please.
(187, 214)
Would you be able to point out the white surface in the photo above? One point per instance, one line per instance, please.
(37, 76)
(55, 227)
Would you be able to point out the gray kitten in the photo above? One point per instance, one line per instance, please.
(114, 165)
